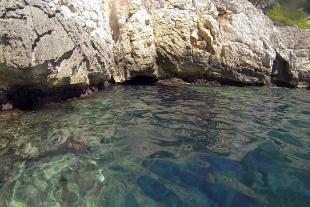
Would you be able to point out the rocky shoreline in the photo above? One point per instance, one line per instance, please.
(32, 99)
(65, 48)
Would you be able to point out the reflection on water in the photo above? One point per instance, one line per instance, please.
(160, 146)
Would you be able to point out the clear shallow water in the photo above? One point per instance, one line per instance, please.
(160, 146)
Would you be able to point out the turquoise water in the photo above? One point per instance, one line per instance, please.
(160, 146)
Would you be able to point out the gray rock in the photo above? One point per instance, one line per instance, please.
(48, 44)
(54, 43)
(264, 4)
(295, 70)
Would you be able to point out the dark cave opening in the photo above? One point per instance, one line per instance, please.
(25, 98)
(142, 80)
(29, 98)
(281, 74)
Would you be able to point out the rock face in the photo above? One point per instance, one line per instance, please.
(58, 43)
(295, 58)
(228, 41)
(264, 4)
(220, 41)
(54, 43)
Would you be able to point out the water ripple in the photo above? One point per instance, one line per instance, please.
(160, 146)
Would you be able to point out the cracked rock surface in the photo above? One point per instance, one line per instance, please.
(55, 43)
(223, 40)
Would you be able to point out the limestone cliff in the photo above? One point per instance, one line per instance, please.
(47, 44)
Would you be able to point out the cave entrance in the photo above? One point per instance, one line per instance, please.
(142, 80)
(281, 72)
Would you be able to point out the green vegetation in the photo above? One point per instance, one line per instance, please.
(283, 14)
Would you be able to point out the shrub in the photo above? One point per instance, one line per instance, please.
(282, 15)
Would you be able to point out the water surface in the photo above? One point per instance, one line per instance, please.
(160, 146)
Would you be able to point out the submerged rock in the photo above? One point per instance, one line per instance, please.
(27, 151)
(2, 181)
(50, 44)
(6, 107)
(158, 191)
